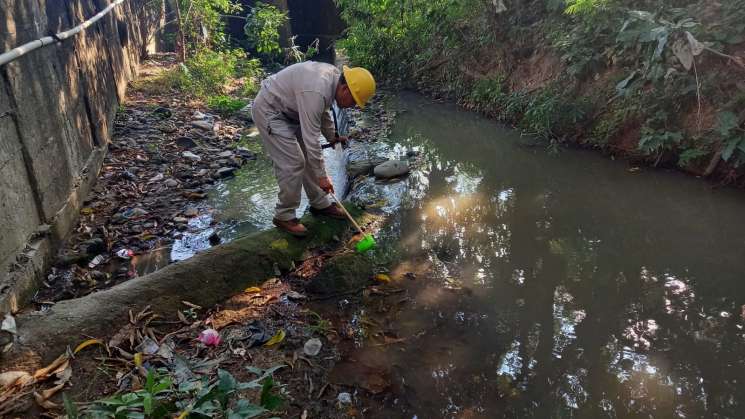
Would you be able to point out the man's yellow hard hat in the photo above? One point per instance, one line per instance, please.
(361, 83)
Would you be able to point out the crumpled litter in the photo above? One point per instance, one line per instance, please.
(210, 337)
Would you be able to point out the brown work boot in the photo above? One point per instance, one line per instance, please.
(293, 227)
(332, 211)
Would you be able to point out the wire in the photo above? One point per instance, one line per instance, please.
(24, 49)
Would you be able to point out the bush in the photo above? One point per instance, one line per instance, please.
(397, 37)
(262, 29)
(209, 71)
(225, 105)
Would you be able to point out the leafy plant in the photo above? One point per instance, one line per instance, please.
(488, 92)
(654, 142)
(193, 397)
(690, 155)
(202, 24)
(732, 135)
(548, 113)
(583, 6)
(225, 105)
(297, 55)
(152, 401)
(262, 29)
(321, 325)
(209, 71)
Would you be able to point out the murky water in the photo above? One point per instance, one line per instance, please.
(239, 206)
(561, 285)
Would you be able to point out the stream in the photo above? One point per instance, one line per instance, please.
(535, 284)
(553, 285)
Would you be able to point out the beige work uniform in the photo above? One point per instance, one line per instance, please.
(291, 112)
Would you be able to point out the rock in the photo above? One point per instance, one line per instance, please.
(194, 195)
(245, 153)
(43, 231)
(180, 220)
(362, 167)
(203, 125)
(69, 259)
(191, 156)
(171, 183)
(167, 128)
(225, 154)
(186, 142)
(344, 398)
(137, 212)
(162, 112)
(202, 172)
(245, 113)
(199, 115)
(99, 276)
(214, 239)
(94, 246)
(225, 172)
(191, 212)
(312, 347)
(391, 169)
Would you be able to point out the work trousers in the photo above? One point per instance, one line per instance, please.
(283, 142)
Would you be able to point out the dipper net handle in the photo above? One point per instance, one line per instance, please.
(349, 216)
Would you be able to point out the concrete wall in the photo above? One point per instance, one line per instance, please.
(57, 107)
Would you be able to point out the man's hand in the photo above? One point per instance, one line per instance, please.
(339, 140)
(325, 184)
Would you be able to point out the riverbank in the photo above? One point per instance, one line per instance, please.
(646, 81)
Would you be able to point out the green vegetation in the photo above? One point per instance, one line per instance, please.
(209, 71)
(262, 29)
(213, 69)
(164, 396)
(201, 23)
(225, 105)
(639, 77)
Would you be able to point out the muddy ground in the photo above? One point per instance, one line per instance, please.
(166, 152)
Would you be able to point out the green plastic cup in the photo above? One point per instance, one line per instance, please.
(367, 243)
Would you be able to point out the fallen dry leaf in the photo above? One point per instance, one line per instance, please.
(45, 372)
(86, 344)
(276, 339)
(44, 403)
(11, 378)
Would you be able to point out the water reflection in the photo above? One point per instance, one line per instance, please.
(599, 294)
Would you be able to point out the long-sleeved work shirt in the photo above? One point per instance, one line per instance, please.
(304, 93)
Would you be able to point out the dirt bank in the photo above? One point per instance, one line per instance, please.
(658, 83)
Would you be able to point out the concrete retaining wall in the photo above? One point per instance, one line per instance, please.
(57, 107)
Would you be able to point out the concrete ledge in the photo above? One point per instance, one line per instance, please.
(206, 279)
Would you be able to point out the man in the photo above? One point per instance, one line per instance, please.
(291, 111)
